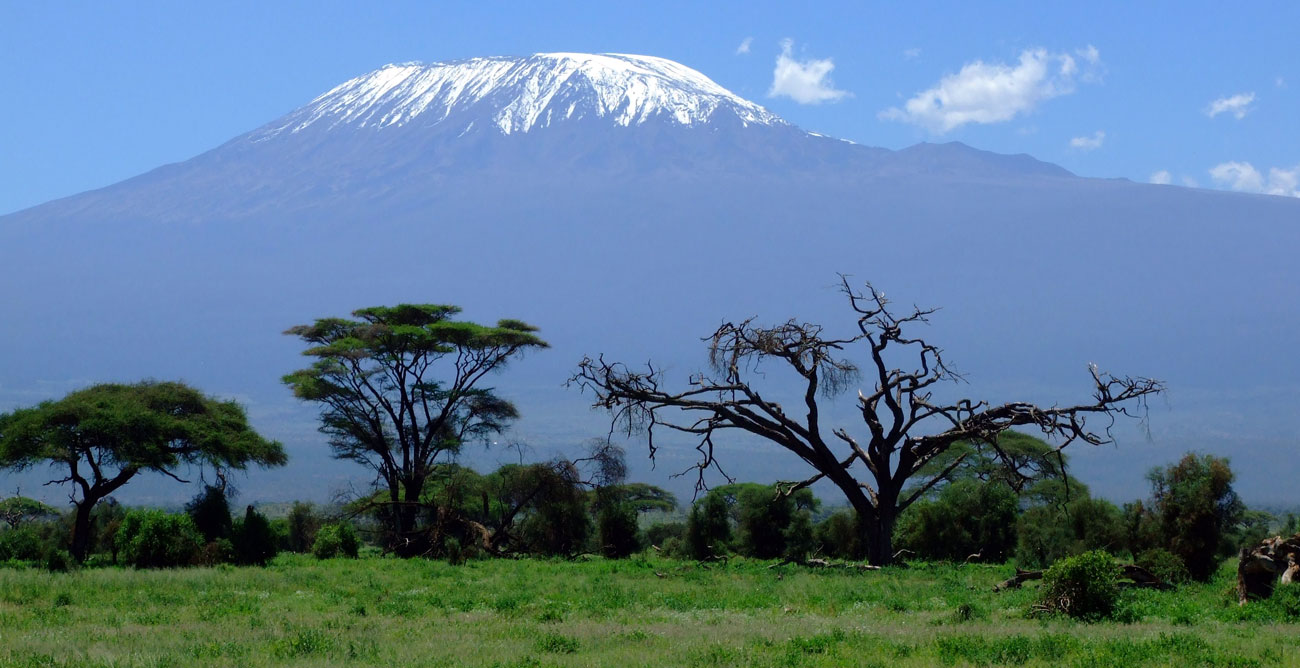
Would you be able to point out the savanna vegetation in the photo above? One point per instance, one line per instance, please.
(953, 538)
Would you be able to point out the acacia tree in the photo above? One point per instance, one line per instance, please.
(104, 435)
(906, 428)
(399, 391)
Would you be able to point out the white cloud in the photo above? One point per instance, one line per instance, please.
(1190, 182)
(912, 53)
(1238, 105)
(805, 82)
(744, 46)
(1162, 177)
(1089, 143)
(1090, 54)
(1280, 82)
(1243, 177)
(993, 92)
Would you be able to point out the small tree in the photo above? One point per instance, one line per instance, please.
(253, 539)
(102, 436)
(210, 510)
(1195, 504)
(905, 426)
(302, 523)
(399, 390)
(708, 529)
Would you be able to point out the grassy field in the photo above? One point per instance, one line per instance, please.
(374, 611)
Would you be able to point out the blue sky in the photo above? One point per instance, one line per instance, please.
(1195, 93)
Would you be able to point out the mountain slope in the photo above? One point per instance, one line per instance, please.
(661, 206)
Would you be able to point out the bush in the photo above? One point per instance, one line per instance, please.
(210, 511)
(1164, 564)
(1045, 534)
(1083, 587)
(969, 517)
(302, 525)
(254, 541)
(154, 539)
(708, 531)
(659, 534)
(336, 540)
(840, 536)
(219, 551)
(616, 526)
(25, 543)
(798, 536)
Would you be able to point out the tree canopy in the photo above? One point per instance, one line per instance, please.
(101, 437)
(400, 389)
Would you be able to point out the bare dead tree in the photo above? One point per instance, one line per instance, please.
(905, 426)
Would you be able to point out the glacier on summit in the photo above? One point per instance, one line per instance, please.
(522, 94)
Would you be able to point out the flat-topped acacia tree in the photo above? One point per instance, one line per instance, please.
(905, 428)
(99, 438)
(399, 390)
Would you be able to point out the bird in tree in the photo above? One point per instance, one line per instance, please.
(400, 391)
(906, 428)
(99, 438)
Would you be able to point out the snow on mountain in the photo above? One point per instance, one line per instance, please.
(521, 94)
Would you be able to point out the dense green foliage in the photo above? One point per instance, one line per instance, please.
(301, 526)
(1193, 507)
(210, 510)
(254, 541)
(970, 520)
(1083, 586)
(336, 540)
(154, 539)
(1050, 532)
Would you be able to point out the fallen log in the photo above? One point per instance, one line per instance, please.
(1271, 562)
(1020, 578)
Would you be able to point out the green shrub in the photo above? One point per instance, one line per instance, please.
(1164, 564)
(968, 518)
(616, 526)
(840, 536)
(155, 539)
(708, 530)
(59, 561)
(25, 543)
(210, 510)
(254, 541)
(336, 540)
(1048, 533)
(1083, 587)
(300, 528)
(659, 534)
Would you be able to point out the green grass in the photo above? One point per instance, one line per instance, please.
(304, 612)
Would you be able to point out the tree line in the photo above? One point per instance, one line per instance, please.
(402, 390)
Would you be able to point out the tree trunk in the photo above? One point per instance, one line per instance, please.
(879, 536)
(81, 529)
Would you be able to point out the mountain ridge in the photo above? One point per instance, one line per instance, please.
(634, 240)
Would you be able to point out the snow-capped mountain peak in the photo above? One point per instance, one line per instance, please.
(522, 94)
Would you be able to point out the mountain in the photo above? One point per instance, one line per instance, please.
(627, 205)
